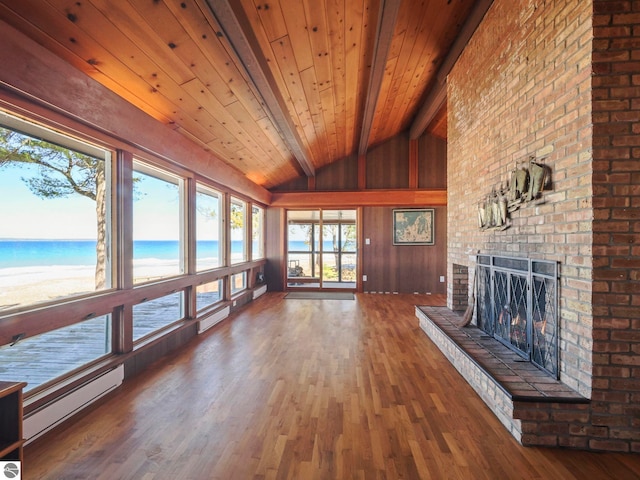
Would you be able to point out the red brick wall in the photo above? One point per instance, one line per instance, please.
(616, 225)
(561, 80)
(522, 88)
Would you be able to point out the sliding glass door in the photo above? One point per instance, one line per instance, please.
(321, 249)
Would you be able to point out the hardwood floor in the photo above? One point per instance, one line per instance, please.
(305, 389)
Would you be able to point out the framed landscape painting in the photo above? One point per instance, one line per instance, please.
(413, 226)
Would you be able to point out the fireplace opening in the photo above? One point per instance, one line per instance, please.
(517, 302)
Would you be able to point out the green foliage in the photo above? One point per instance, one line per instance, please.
(61, 171)
(237, 215)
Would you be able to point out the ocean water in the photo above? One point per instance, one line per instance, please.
(41, 253)
(45, 253)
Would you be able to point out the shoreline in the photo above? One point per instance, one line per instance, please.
(23, 286)
(30, 285)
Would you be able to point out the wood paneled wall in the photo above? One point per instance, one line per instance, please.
(432, 171)
(341, 175)
(389, 268)
(275, 249)
(402, 268)
(388, 164)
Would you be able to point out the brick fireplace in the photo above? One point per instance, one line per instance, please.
(555, 81)
(517, 304)
(537, 409)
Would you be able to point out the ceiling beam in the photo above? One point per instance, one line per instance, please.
(438, 93)
(361, 198)
(237, 29)
(384, 36)
(432, 105)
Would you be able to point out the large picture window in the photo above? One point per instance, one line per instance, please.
(238, 282)
(157, 234)
(42, 358)
(55, 196)
(257, 232)
(208, 294)
(209, 239)
(77, 248)
(154, 315)
(238, 219)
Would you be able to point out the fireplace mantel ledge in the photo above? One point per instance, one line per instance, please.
(537, 409)
(521, 380)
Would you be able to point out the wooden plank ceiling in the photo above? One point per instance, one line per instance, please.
(275, 88)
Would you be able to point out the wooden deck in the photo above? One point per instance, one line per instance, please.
(39, 359)
(305, 389)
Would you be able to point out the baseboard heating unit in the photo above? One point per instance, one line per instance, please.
(259, 291)
(52, 414)
(206, 323)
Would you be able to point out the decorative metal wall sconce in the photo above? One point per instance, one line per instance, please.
(525, 185)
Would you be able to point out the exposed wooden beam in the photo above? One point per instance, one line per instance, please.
(432, 105)
(237, 29)
(362, 172)
(384, 36)
(311, 183)
(367, 198)
(438, 94)
(413, 164)
(478, 12)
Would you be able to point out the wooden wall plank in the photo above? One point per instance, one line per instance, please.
(432, 162)
(413, 164)
(275, 248)
(402, 268)
(362, 172)
(298, 184)
(340, 175)
(388, 164)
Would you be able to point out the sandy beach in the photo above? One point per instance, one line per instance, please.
(23, 286)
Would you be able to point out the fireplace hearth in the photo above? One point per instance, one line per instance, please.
(517, 304)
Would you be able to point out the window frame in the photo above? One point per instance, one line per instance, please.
(38, 130)
(260, 240)
(119, 300)
(204, 189)
(234, 200)
(237, 291)
(160, 173)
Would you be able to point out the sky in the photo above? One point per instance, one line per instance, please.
(23, 215)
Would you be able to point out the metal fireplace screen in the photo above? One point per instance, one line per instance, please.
(517, 303)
